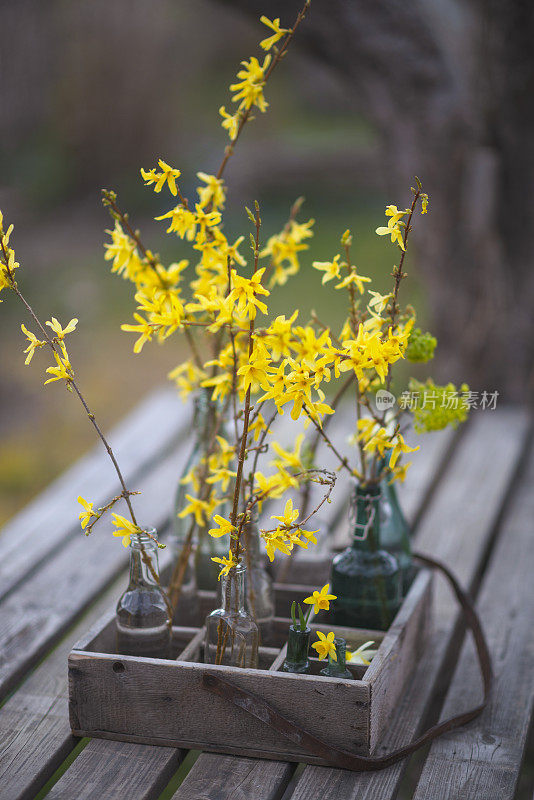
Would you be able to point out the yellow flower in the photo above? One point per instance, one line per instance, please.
(244, 293)
(201, 509)
(289, 516)
(395, 215)
(228, 564)
(213, 192)
(125, 528)
(379, 301)
(85, 516)
(146, 329)
(230, 122)
(183, 222)
(353, 278)
(274, 25)
(290, 458)
(325, 646)
(400, 447)
(34, 343)
(330, 268)
(223, 475)
(63, 370)
(250, 88)
(321, 600)
(167, 176)
(225, 526)
(378, 442)
(358, 657)
(58, 330)
(395, 232)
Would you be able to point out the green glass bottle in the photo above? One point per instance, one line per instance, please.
(395, 532)
(298, 645)
(337, 668)
(366, 578)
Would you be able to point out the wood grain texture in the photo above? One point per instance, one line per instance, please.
(215, 777)
(164, 702)
(101, 772)
(35, 615)
(457, 527)
(35, 735)
(482, 760)
(52, 518)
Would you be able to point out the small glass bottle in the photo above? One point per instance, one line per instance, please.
(205, 547)
(142, 617)
(338, 668)
(258, 583)
(395, 532)
(365, 578)
(298, 645)
(231, 633)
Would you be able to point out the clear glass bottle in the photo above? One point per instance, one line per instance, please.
(298, 645)
(395, 533)
(205, 546)
(142, 618)
(337, 668)
(365, 578)
(258, 583)
(231, 633)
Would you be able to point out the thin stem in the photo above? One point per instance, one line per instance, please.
(276, 60)
(343, 461)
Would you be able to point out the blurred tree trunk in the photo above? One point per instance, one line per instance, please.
(450, 87)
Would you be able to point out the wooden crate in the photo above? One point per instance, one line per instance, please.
(163, 701)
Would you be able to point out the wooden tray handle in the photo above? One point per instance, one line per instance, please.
(343, 759)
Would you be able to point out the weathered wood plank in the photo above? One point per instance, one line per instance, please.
(458, 527)
(483, 760)
(36, 614)
(105, 770)
(52, 518)
(35, 735)
(214, 776)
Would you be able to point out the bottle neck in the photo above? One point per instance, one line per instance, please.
(144, 568)
(365, 517)
(251, 539)
(341, 653)
(205, 417)
(233, 590)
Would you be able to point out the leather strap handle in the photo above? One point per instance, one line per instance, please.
(259, 708)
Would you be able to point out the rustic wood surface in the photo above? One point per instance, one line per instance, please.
(457, 489)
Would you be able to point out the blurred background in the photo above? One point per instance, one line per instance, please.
(371, 94)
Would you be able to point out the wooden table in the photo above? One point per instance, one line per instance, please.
(469, 495)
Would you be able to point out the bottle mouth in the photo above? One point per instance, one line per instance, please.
(144, 538)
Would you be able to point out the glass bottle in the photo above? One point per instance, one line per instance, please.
(231, 633)
(395, 532)
(205, 547)
(298, 645)
(258, 583)
(365, 578)
(142, 617)
(338, 668)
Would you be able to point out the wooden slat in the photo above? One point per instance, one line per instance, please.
(482, 760)
(52, 518)
(457, 527)
(36, 614)
(35, 734)
(104, 771)
(217, 777)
